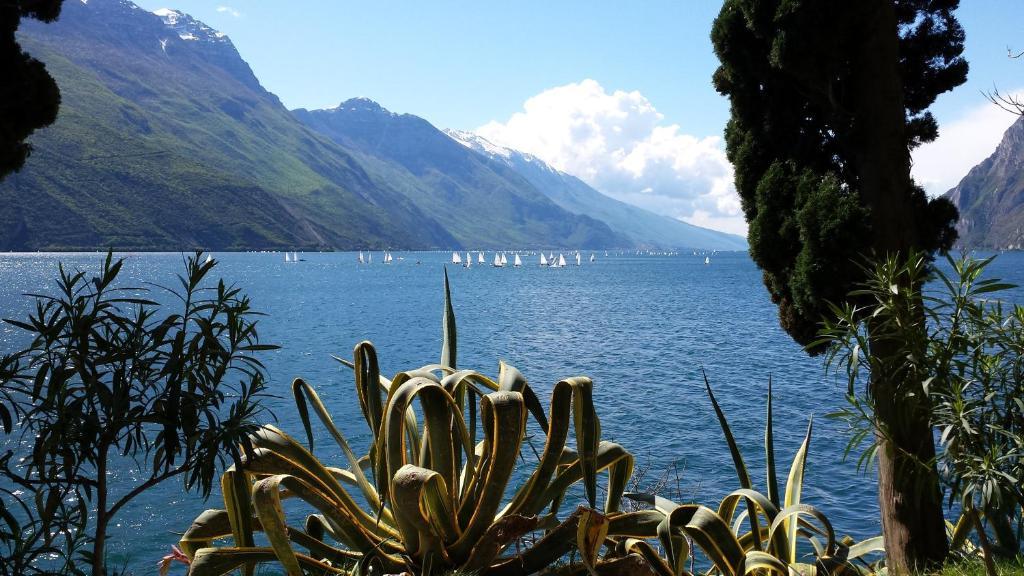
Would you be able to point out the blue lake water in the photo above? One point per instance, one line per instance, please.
(643, 327)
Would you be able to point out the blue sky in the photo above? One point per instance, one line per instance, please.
(468, 65)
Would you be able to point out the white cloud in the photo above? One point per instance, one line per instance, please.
(962, 143)
(620, 144)
(229, 10)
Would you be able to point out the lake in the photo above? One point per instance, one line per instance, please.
(644, 327)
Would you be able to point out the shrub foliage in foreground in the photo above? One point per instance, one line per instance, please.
(107, 376)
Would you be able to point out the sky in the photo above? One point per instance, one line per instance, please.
(620, 97)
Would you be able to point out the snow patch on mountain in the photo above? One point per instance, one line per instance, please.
(481, 145)
(188, 28)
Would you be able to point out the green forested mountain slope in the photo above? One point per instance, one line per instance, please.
(166, 140)
(486, 203)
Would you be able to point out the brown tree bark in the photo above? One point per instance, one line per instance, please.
(908, 482)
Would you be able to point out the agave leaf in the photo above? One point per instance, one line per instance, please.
(502, 533)
(301, 391)
(673, 540)
(590, 534)
(712, 534)
(960, 531)
(794, 486)
(218, 561)
(660, 503)
(650, 556)
(737, 458)
(511, 380)
(759, 562)
(503, 415)
(588, 433)
(423, 512)
(368, 388)
(449, 335)
(788, 518)
(865, 547)
(759, 502)
(769, 450)
(209, 526)
(293, 459)
(527, 499)
(638, 524)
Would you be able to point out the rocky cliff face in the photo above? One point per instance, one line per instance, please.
(991, 197)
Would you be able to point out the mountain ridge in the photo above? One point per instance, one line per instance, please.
(645, 228)
(990, 197)
(166, 140)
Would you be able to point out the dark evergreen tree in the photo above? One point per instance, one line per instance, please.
(29, 97)
(828, 99)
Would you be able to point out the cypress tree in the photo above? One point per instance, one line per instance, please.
(828, 98)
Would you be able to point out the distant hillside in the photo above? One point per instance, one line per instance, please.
(991, 197)
(483, 203)
(642, 227)
(166, 140)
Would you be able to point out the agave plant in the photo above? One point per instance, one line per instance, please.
(430, 493)
(750, 532)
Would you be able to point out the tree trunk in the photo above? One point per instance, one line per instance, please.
(99, 540)
(908, 482)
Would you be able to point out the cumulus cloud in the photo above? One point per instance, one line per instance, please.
(962, 143)
(621, 145)
(229, 10)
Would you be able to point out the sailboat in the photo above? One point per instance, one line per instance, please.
(561, 261)
(209, 258)
(456, 259)
(287, 257)
(480, 258)
(577, 258)
(469, 260)
(517, 262)
(503, 259)
(497, 261)
(551, 257)
(361, 260)
(592, 257)
(369, 257)
(543, 260)
(707, 260)
(387, 257)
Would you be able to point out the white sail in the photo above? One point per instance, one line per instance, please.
(287, 257)
(543, 260)
(592, 257)
(480, 258)
(517, 262)
(503, 259)
(551, 256)
(469, 260)
(577, 258)
(561, 260)
(209, 258)
(497, 261)
(456, 259)
(707, 260)
(369, 257)
(387, 257)
(295, 256)
(361, 260)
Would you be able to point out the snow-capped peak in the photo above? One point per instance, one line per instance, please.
(478, 143)
(187, 27)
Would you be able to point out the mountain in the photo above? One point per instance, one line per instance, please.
(166, 140)
(484, 203)
(991, 197)
(642, 227)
